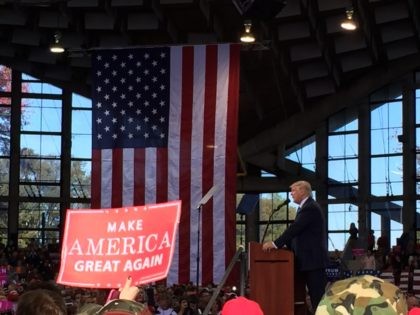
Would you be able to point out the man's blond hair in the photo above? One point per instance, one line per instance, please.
(304, 186)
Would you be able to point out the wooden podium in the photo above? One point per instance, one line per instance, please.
(272, 281)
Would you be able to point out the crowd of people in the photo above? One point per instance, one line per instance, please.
(27, 274)
(35, 267)
(46, 298)
(380, 256)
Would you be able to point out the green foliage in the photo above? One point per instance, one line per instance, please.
(40, 177)
(80, 180)
(279, 220)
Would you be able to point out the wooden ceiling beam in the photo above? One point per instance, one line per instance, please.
(285, 73)
(370, 30)
(170, 27)
(318, 29)
(414, 6)
(301, 125)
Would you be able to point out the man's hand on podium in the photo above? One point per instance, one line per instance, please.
(267, 246)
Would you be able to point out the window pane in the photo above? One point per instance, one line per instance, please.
(40, 145)
(41, 237)
(4, 177)
(39, 87)
(386, 175)
(76, 205)
(27, 77)
(29, 218)
(390, 211)
(385, 141)
(29, 169)
(5, 101)
(347, 191)
(80, 179)
(40, 170)
(418, 206)
(344, 171)
(79, 101)
(81, 146)
(41, 115)
(269, 202)
(273, 231)
(396, 231)
(345, 120)
(417, 106)
(417, 139)
(340, 220)
(4, 207)
(31, 117)
(390, 92)
(5, 131)
(337, 241)
(387, 169)
(387, 115)
(39, 215)
(376, 223)
(344, 145)
(387, 189)
(6, 79)
(304, 153)
(51, 215)
(81, 122)
(38, 190)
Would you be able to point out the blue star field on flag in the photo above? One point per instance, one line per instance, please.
(131, 98)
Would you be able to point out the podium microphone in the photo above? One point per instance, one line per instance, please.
(284, 203)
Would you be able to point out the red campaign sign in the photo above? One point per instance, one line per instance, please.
(102, 247)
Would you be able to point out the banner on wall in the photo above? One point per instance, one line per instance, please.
(102, 247)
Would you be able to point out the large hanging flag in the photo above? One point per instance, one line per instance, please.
(165, 128)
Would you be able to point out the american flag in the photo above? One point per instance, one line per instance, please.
(165, 128)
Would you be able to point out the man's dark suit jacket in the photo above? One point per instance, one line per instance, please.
(307, 237)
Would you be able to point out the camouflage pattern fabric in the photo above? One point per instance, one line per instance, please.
(124, 307)
(362, 295)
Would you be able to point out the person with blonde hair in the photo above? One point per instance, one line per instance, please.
(307, 238)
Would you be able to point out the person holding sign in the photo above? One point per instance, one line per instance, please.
(307, 238)
(124, 301)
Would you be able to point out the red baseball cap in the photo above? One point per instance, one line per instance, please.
(414, 311)
(241, 306)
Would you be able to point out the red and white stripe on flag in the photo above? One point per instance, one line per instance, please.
(201, 153)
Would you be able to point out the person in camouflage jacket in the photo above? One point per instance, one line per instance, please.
(362, 295)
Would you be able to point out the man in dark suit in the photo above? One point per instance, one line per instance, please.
(307, 237)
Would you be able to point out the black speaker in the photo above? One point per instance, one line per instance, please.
(259, 9)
